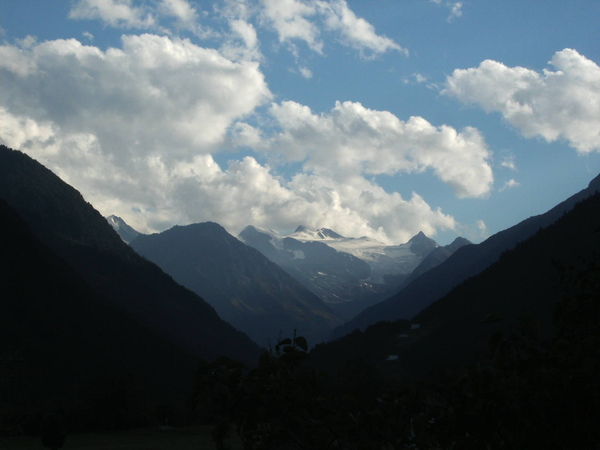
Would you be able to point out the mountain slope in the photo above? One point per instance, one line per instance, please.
(436, 257)
(245, 287)
(464, 263)
(452, 332)
(126, 232)
(77, 233)
(67, 336)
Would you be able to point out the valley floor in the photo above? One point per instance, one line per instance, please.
(187, 438)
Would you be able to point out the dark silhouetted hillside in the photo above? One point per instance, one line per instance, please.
(58, 336)
(78, 234)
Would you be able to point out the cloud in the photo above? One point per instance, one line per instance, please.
(116, 13)
(134, 128)
(512, 183)
(148, 15)
(352, 139)
(304, 20)
(305, 72)
(455, 8)
(291, 19)
(508, 162)
(556, 105)
(355, 31)
(155, 93)
(157, 193)
(241, 43)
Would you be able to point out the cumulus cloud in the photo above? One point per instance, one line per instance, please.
(559, 104)
(352, 139)
(154, 194)
(242, 40)
(292, 20)
(116, 13)
(301, 20)
(147, 15)
(355, 31)
(155, 93)
(134, 128)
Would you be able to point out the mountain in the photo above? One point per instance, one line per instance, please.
(126, 232)
(383, 260)
(346, 273)
(58, 335)
(436, 257)
(466, 262)
(523, 287)
(127, 283)
(245, 287)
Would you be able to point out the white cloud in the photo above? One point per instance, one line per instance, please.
(242, 41)
(560, 104)
(304, 20)
(154, 94)
(147, 15)
(455, 10)
(305, 72)
(352, 139)
(181, 10)
(508, 162)
(356, 32)
(512, 183)
(156, 193)
(116, 13)
(419, 78)
(291, 19)
(133, 129)
(88, 35)
(454, 7)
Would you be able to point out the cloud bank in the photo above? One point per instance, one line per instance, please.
(563, 104)
(136, 128)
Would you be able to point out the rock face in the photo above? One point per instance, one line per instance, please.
(244, 286)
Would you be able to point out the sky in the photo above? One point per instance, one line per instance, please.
(373, 118)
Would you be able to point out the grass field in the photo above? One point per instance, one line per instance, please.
(187, 438)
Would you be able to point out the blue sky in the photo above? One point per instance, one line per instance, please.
(379, 118)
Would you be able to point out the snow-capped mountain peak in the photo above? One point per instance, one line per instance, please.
(126, 232)
(303, 234)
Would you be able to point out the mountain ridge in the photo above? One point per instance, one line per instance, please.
(246, 288)
(467, 261)
(62, 219)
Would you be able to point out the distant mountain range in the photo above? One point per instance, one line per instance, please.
(348, 274)
(248, 290)
(466, 262)
(537, 263)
